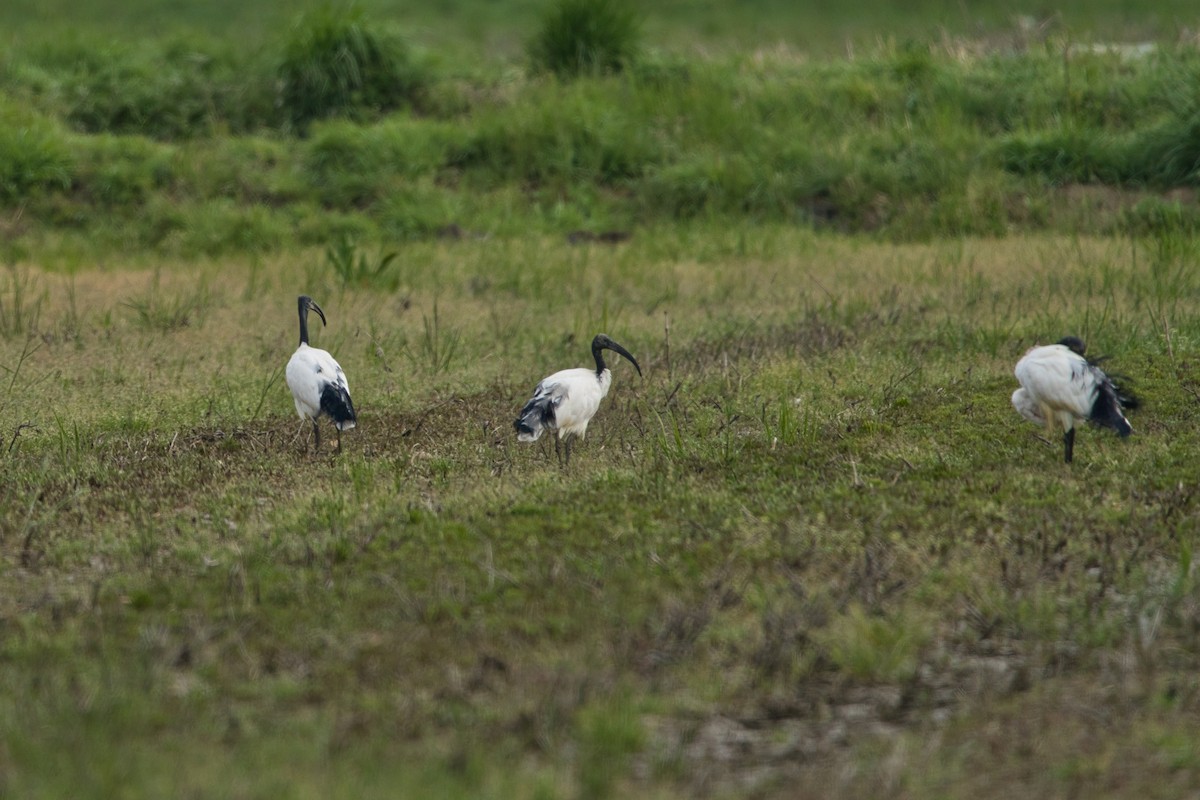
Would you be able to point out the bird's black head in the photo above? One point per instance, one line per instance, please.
(307, 303)
(604, 342)
(1074, 344)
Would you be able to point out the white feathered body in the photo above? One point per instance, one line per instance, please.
(565, 402)
(319, 387)
(1060, 387)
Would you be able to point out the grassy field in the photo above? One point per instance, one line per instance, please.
(812, 552)
(813, 544)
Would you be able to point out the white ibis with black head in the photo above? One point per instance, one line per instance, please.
(567, 400)
(317, 382)
(1060, 386)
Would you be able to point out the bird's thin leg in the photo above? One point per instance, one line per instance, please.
(1069, 444)
(558, 450)
(339, 438)
(567, 446)
(317, 433)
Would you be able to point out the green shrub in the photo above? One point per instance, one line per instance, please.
(218, 227)
(572, 134)
(337, 63)
(248, 169)
(354, 165)
(700, 185)
(318, 226)
(32, 159)
(177, 89)
(1155, 216)
(1071, 155)
(586, 37)
(121, 171)
(417, 210)
(1168, 154)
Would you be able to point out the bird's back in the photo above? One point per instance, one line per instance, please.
(1055, 376)
(319, 386)
(585, 389)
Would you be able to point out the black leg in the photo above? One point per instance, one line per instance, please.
(317, 433)
(558, 449)
(1069, 444)
(568, 446)
(339, 438)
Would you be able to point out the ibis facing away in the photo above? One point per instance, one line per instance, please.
(567, 400)
(317, 382)
(1060, 386)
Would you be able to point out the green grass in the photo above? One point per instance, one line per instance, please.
(815, 527)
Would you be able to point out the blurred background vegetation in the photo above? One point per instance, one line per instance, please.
(245, 127)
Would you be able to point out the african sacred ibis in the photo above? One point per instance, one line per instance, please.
(567, 400)
(1059, 385)
(317, 381)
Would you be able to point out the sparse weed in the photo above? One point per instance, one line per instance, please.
(158, 310)
(14, 372)
(20, 303)
(355, 268)
(439, 343)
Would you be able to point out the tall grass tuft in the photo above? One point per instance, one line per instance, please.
(163, 312)
(20, 304)
(355, 268)
(586, 37)
(337, 63)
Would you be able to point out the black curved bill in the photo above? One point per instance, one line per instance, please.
(616, 348)
(313, 305)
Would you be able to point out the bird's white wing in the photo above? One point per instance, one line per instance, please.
(555, 388)
(1058, 378)
(581, 391)
(303, 378)
(340, 376)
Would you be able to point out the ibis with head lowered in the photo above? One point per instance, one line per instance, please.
(566, 401)
(317, 382)
(1060, 386)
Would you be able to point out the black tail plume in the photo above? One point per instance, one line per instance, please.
(1125, 395)
(1106, 410)
(537, 414)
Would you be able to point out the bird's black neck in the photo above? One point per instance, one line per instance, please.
(303, 323)
(598, 354)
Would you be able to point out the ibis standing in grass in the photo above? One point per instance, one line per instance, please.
(567, 400)
(1060, 386)
(317, 381)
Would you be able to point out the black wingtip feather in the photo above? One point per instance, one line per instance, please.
(335, 402)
